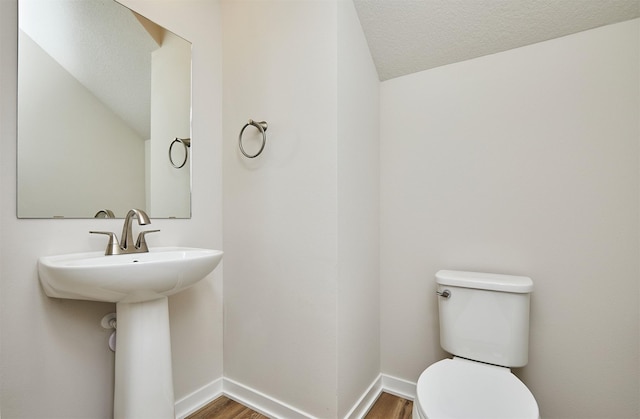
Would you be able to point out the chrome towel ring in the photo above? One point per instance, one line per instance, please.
(186, 143)
(262, 127)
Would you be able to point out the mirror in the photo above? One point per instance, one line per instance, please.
(103, 93)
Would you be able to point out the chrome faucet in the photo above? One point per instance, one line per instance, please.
(126, 244)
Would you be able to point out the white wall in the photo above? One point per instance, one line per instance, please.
(301, 295)
(49, 185)
(54, 358)
(279, 65)
(358, 212)
(523, 162)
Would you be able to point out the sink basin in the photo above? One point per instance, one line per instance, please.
(125, 278)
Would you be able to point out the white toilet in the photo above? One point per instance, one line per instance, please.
(484, 323)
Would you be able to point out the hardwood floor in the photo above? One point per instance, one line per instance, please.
(390, 407)
(225, 408)
(385, 407)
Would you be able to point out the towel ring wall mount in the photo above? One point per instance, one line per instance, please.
(186, 143)
(262, 127)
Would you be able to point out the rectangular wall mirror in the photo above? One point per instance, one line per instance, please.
(103, 94)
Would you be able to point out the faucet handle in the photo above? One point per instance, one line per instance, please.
(141, 243)
(113, 247)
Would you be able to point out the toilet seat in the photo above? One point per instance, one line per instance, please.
(463, 389)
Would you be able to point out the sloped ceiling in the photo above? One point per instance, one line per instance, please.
(407, 36)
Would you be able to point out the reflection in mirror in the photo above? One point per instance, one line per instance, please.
(102, 94)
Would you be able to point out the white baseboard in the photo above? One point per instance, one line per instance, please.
(260, 402)
(273, 408)
(362, 406)
(384, 383)
(399, 387)
(199, 398)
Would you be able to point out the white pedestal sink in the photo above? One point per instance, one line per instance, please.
(139, 284)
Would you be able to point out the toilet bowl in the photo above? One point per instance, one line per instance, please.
(463, 389)
(484, 324)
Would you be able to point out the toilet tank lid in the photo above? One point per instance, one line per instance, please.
(485, 281)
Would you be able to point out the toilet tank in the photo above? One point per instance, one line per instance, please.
(485, 317)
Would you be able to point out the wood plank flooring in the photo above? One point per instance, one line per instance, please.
(390, 407)
(225, 408)
(386, 406)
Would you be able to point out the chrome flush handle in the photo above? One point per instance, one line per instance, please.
(444, 294)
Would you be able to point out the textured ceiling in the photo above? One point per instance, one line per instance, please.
(407, 36)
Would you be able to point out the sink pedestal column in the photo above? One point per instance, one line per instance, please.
(143, 379)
